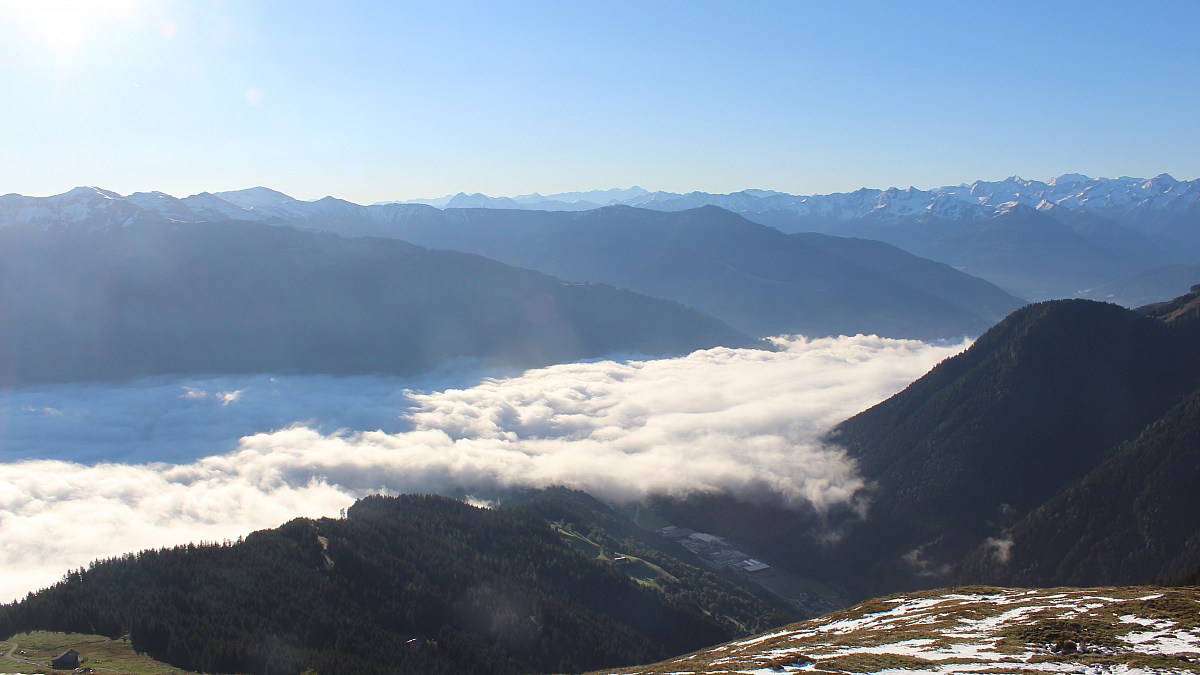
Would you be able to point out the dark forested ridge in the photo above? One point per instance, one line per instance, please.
(1184, 309)
(1132, 517)
(416, 584)
(987, 437)
(152, 297)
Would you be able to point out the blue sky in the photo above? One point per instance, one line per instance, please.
(379, 100)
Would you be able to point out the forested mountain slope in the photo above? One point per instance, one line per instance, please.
(1129, 518)
(415, 584)
(1012, 426)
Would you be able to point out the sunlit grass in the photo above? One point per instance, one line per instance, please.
(95, 651)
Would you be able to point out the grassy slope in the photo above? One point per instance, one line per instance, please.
(105, 655)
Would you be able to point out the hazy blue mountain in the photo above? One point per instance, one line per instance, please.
(1155, 285)
(255, 197)
(1034, 253)
(230, 297)
(560, 201)
(1022, 250)
(87, 207)
(1130, 224)
(756, 278)
(1162, 210)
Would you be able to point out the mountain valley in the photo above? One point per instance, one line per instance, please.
(1058, 449)
(663, 338)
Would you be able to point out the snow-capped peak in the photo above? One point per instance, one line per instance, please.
(1068, 179)
(85, 192)
(1160, 183)
(1007, 208)
(255, 197)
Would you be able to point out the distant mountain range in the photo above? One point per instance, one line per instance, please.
(1070, 236)
(755, 278)
(96, 301)
(1038, 240)
(1158, 203)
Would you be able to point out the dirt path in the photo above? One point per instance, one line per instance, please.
(11, 656)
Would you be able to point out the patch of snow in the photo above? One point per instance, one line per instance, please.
(1160, 642)
(764, 638)
(1141, 621)
(981, 628)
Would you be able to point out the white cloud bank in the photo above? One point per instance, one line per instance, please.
(739, 420)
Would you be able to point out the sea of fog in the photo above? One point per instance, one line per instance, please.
(96, 470)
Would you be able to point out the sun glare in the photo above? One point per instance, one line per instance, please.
(64, 28)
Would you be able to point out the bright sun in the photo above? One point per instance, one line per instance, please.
(63, 28)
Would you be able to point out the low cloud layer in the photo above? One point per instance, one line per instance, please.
(743, 421)
(179, 420)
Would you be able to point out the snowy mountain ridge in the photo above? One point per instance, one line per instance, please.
(1119, 199)
(1104, 196)
(1036, 239)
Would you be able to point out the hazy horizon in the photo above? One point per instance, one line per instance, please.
(966, 181)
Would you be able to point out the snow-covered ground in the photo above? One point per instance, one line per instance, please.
(1105, 631)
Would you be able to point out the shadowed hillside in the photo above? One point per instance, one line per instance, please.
(988, 436)
(234, 297)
